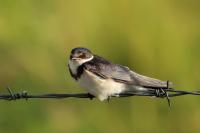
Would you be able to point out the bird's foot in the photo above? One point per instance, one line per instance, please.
(109, 99)
(91, 96)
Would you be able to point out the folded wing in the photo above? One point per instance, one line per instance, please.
(106, 69)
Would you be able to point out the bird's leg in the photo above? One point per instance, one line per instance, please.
(109, 98)
(114, 95)
(91, 96)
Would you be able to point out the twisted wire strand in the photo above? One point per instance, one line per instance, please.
(168, 94)
(154, 92)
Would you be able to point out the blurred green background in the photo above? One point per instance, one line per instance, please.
(157, 38)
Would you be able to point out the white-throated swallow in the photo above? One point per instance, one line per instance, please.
(103, 79)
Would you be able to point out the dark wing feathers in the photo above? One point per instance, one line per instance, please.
(149, 82)
(106, 69)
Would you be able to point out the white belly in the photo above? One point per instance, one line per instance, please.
(100, 88)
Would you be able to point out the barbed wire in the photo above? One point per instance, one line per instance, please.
(155, 92)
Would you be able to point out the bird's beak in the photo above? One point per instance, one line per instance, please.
(75, 58)
(72, 57)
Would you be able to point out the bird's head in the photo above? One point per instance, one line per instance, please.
(80, 55)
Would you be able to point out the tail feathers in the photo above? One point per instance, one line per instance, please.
(148, 82)
(133, 88)
(140, 90)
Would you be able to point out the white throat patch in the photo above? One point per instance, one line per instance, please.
(74, 64)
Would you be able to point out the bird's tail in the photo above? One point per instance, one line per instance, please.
(139, 90)
(149, 91)
(153, 92)
(147, 82)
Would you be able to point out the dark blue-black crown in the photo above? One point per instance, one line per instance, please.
(80, 50)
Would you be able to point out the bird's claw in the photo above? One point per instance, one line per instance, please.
(108, 99)
(90, 96)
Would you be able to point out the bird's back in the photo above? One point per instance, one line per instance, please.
(123, 74)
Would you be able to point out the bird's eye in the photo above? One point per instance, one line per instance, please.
(82, 56)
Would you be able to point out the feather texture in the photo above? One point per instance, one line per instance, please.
(105, 69)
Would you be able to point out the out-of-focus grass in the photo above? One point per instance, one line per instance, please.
(156, 38)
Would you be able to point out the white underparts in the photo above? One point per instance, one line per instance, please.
(100, 88)
(97, 86)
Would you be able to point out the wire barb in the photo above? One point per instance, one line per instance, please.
(167, 96)
(12, 95)
(154, 92)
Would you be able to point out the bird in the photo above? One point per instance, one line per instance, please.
(103, 79)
